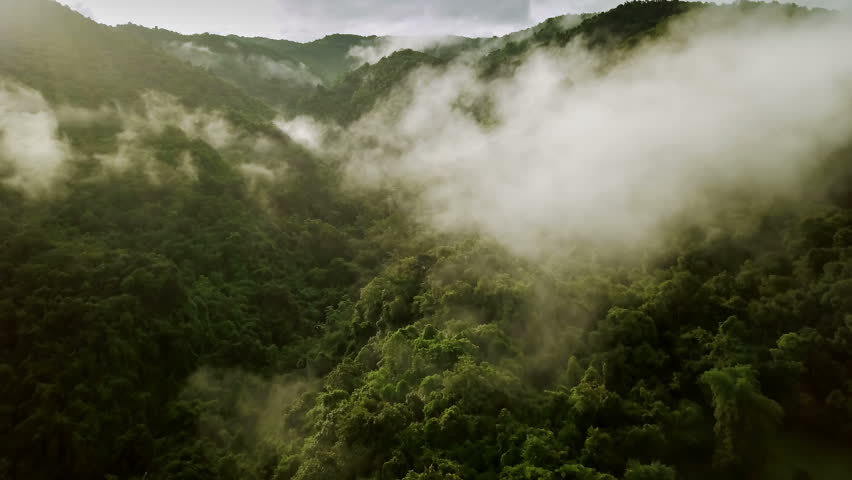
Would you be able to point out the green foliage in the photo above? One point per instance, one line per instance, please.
(327, 56)
(654, 471)
(613, 32)
(744, 417)
(357, 92)
(73, 60)
(206, 327)
(279, 72)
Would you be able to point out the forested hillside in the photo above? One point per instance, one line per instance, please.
(358, 91)
(279, 72)
(231, 258)
(327, 58)
(71, 59)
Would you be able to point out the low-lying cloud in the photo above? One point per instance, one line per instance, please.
(304, 130)
(257, 156)
(724, 101)
(157, 112)
(385, 46)
(244, 408)
(34, 154)
(31, 149)
(262, 66)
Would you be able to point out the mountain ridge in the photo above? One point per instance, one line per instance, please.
(522, 266)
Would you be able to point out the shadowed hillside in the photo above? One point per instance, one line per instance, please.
(611, 246)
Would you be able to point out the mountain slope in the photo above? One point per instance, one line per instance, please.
(192, 295)
(179, 229)
(327, 56)
(279, 72)
(71, 59)
(358, 91)
(618, 30)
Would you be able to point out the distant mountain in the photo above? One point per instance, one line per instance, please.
(279, 72)
(72, 59)
(328, 57)
(615, 30)
(75, 60)
(357, 92)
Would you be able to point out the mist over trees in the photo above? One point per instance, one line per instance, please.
(612, 246)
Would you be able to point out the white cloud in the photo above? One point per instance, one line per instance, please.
(381, 48)
(157, 113)
(31, 150)
(263, 67)
(303, 130)
(257, 174)
(749, 103)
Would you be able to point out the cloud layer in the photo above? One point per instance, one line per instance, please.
(35, 157)
(383, 47)
(261, 66)
(31, 150)
(723, 103)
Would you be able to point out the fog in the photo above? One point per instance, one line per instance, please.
(248, 405)
(574, 144)
(155, 113)
(34, 154)
(256, 156)
(384, 46)
(31, 150)
(262, 66)
(304, 130)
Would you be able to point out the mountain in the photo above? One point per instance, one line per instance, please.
(210, 269)
(617, 30)
(358, 91)
(328, 56)
(279, 72)
(172, 235)
(72, 59)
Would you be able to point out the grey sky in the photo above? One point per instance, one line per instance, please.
(309, 19)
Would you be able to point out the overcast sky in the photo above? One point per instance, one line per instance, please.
(303, 20)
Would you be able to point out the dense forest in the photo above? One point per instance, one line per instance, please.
(191, 290)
